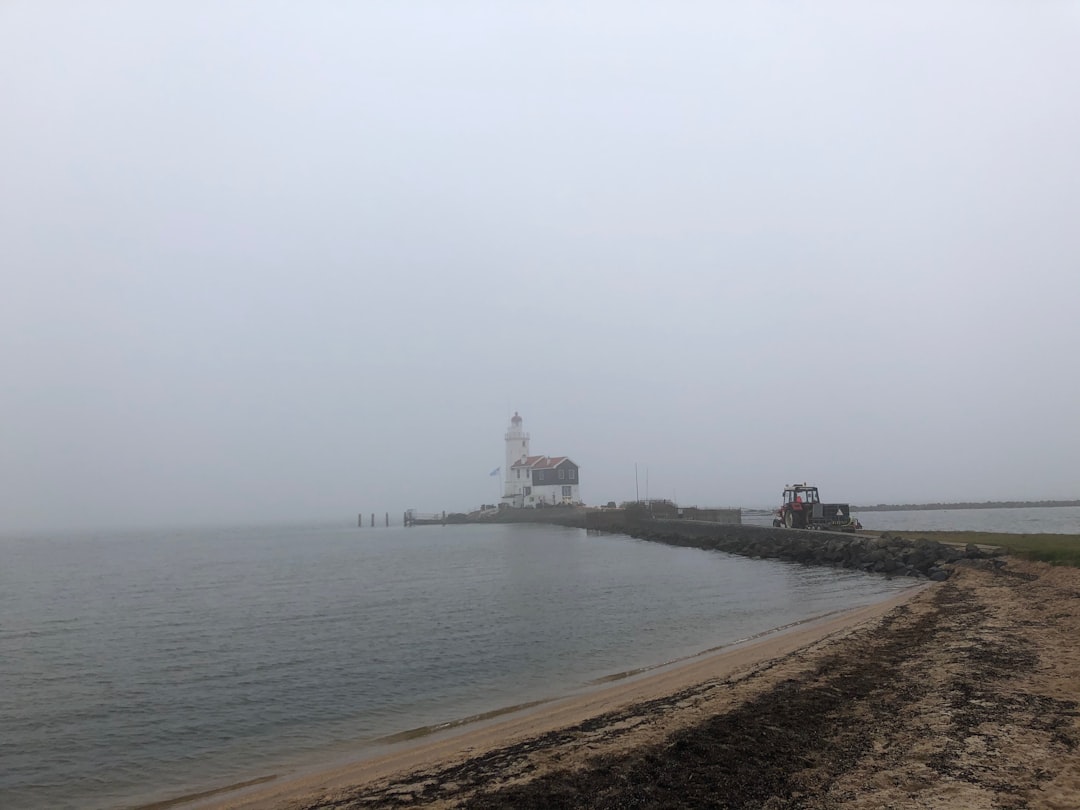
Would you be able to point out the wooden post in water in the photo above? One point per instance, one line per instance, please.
(360, 520)
(387, 518)
(373, 520)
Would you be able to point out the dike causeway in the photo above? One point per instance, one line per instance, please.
(887, 554)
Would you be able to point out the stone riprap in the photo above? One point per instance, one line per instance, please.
(890, 555)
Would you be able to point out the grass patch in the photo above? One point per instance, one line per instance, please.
(1056, 549)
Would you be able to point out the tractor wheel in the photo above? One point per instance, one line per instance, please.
(776, 524)
(790, 519)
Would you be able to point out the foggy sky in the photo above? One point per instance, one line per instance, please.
(300, 260)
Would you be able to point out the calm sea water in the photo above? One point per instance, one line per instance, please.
(1032, 520)
(135, 667)
(1035, 520)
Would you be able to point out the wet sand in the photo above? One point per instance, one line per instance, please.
(960, 694)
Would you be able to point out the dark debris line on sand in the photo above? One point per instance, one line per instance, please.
(787, 744)
(792, 745)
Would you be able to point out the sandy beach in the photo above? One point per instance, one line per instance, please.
(957, 694)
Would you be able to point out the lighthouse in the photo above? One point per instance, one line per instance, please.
(517, 449)
(532, 481)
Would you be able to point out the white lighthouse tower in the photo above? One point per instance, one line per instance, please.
(517, 448)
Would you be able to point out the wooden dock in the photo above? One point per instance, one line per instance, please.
(414, 518)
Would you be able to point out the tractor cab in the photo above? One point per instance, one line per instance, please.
(795, 495)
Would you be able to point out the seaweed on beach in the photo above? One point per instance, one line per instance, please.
(787, 744)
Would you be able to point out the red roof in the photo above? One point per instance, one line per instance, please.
(552, 461)
(540, 462)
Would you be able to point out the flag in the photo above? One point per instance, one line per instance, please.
(495, 471)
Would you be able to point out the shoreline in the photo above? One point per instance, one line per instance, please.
(469, 737)
(962, 693)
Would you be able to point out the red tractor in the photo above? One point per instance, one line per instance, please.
(803, 509)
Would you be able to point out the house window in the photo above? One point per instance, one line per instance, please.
(518, 473)
(566, 491)
(561, 476)
(570, 474)
(527, 490)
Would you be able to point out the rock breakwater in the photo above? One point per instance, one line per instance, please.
(890, 555)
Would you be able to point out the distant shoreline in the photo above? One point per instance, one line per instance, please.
(930, 507)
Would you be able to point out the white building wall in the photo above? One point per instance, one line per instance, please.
(552, 494)
(514, 486)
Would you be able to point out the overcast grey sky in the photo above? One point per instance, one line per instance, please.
(266, 261)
